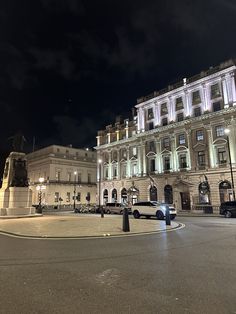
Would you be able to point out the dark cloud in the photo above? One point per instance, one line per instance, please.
(73, 6)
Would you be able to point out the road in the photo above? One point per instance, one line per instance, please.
(192, 270)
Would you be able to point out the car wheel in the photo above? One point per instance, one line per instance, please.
(228, 214)
(136, 214)
(147, 216)
(108, 211)
(160, 215)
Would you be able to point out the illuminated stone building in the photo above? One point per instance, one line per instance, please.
(175, 148)
(67, 172)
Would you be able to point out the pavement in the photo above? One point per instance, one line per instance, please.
(80, 226)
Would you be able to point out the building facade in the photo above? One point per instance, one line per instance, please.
(67, 172)
(175, 148)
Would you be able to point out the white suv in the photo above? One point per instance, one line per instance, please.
(152, 208)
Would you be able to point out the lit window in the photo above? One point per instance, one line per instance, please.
(199, 135)
(181, 139)
(201, 158)
(182, 161)
(222, 155)
(219, 131)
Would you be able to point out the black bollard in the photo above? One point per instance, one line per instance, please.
(167, 216)
(126, 220)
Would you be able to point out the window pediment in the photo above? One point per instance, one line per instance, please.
(151, 154)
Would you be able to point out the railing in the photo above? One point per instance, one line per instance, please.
(207, 209)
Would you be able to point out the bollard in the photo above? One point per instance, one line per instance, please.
(167, 216)
(126, 220)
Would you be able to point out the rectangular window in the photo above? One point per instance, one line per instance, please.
(166, 142)
(166, 163)
(56, 197)
(180, 117)
(199, 135)
(89, 177)
(179, 104)
(152, 165)
(68, 196)
(222, 158)
(134, 170)
(150, 113)
(181, 139)
(217, 106)
(220, 131)
(164, 121)
(114, 172)
(215, 91)
(106, 173)
(150, 126)
(164, 109)
(78, 197)
(201, 158)
(182, 161)
(196, 98)
(197, 112)
(58, 175)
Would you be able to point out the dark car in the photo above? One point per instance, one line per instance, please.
(228, 209)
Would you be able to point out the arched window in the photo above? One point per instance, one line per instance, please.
(105, 196)
(114, 195)
(225, 191)
(153, 193)
(168, 193)
(124, 196)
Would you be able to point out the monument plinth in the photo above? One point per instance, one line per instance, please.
(15, 195)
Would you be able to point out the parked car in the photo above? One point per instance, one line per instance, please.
(228, 209)
(152, 208)
(115, 208)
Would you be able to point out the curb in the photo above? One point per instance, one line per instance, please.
(105, 236)
(21, 216)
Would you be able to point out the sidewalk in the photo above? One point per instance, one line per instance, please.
(81, 226)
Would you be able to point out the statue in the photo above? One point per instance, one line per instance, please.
(19, 176)
(18, 142)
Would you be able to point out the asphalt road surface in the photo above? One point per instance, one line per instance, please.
(192, 270)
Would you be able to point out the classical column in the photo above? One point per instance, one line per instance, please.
(211, 149)
(140, 170)
(189, 151)
(128, 170)
(174, 154)
(157, 113)
(118, 165)
(187, 103)
(225, 92)
(206, 97)
(117, 135)
(158, 156)
(233, 88)
(98, 140)
(144, 159)
(109, 167)
(171, 109)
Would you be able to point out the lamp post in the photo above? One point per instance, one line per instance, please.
(227, 131)
(75, 173)
(39, 188)
(99, 187)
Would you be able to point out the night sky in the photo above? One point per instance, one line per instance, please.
(69, 67)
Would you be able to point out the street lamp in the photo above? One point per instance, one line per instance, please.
(75, 173)
(39, 188)
(227, 131)
(99, 187)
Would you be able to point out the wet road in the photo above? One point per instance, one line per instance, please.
(191, 270)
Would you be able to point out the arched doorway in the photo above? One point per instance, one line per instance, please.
(225, 191)
(124, 199)
(133, 194)
(153, 193)
(204, 192)
(168, 194)
(105, 196)
(114, 195)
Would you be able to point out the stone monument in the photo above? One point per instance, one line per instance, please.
(15, 195)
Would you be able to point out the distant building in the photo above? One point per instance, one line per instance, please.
(175, 148)
(67, 172)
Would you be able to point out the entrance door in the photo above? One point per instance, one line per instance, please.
(185, 200)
